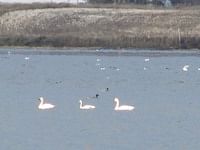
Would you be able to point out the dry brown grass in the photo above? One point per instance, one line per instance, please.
(102, 27)
(6, 7)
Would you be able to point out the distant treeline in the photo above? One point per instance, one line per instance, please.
(157, 2)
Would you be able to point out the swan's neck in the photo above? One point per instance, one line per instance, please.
(117, 104)
(41, 101)
(81, 104)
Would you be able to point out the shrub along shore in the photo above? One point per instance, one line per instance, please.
(64, 25)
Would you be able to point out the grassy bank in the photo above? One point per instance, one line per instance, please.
(62, 25)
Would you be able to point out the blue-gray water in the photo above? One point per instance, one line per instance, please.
(167, 101)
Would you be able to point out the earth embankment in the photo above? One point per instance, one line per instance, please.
(102, 27)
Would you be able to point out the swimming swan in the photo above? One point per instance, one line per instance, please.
(185, 68)
(86, 106)
(146, 59)
(43, 105)
(122, 107)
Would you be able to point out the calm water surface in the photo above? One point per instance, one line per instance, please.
(167, 101)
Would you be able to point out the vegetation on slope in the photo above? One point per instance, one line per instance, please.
(100, 27)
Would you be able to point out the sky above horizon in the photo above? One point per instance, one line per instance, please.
(42, 1)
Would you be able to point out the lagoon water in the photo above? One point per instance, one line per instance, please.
(167, 101)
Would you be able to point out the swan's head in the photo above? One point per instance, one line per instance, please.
(41, 99)
(116, 99)
(80, 101)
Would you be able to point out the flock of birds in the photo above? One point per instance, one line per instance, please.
(117, 107)
(43, 105)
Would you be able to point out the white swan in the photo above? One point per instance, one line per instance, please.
(98, 60)
(86, 106)
(103, 68)
(146, 59)
(26, 58)
(185, 68)
(43, 105)
(122, 107)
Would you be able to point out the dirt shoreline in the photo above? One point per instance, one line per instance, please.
(102, 27)
(98, 52)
